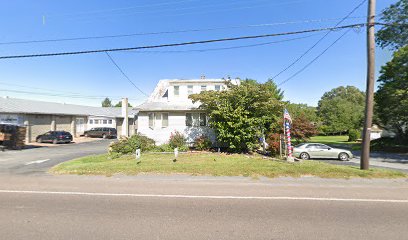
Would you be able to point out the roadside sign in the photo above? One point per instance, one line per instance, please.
(138, 153)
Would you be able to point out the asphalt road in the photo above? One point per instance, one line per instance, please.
(38, 160)
(179, 207)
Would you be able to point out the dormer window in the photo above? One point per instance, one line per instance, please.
(166, 94)
(176, 90)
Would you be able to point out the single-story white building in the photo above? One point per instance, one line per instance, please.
(40, 117)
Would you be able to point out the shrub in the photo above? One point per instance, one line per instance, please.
(273, 143)
(202, 143)
(129, 145)
(353, 135)
(177, 140)
(167, 148)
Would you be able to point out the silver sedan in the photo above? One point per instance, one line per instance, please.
(317, 150)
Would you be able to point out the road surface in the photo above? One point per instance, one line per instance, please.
(180, 207)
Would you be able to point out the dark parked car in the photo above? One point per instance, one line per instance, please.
(55, 137)
(102, 132)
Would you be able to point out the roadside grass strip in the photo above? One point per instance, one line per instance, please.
(214, 164)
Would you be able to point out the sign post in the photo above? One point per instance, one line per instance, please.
(138, 154)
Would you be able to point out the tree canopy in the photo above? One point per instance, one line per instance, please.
(106, 102)
(395, 34)
(119, 104)
(241, 115)
(341, 109)
(392, 95)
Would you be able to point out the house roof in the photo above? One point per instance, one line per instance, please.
(16, 105)
(168, 106)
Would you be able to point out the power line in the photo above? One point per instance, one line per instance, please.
(121, 9)
(228, 48)
(56, 95)
(170, 32)
(224, 6)
(318, 41)
(53, 90)
(124, 74)
(180, 44)
(315, 59)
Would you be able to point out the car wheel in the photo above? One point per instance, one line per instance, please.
(55, 141)
(304, 156)
(343, 157)
(104, 136)
(39, 140)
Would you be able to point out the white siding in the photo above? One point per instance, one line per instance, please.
(177, 122)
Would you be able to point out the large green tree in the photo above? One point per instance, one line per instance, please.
(341, 109)
(395, 33)
(243, 113)
(106, 102)
(392, 95)
(308, 112)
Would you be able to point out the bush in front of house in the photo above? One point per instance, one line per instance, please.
(177, 140)
(353, 135)
(129, 145)
(167, 148)
(202, 143)
(273, 143)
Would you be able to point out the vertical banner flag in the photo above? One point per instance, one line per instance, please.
(288, 120)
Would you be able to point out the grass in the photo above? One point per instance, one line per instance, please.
(213, 164)
(336, 141)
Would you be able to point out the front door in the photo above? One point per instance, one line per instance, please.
(80, 125)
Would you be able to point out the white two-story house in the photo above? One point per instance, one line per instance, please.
(168, 109)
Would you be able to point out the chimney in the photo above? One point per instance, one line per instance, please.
(202, 77)
(125, 115)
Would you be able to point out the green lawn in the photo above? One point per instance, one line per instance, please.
(213, 164)
(336, 141)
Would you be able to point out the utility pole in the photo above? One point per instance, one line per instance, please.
(369, 102)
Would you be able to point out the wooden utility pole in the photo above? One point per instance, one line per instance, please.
(365, 151)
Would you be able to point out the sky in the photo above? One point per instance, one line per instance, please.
(87, 79)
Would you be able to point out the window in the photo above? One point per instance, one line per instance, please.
(176, 90)
(189, 119)
(166, 94)
(96, 121)
(157, 120)
(190, 89)
(217, 87)
(203, 88)
(105, 121)
(203, 119)
(110, 121)
(91, 121)
(151, 120)
(165, 120)
(196, 119)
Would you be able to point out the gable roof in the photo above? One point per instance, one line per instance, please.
(16, 105)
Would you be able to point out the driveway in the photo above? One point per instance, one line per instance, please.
(38, 160)
(398, 161)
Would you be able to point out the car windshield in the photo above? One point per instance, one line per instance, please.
(299, 145)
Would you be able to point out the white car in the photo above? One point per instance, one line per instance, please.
(317, 150)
